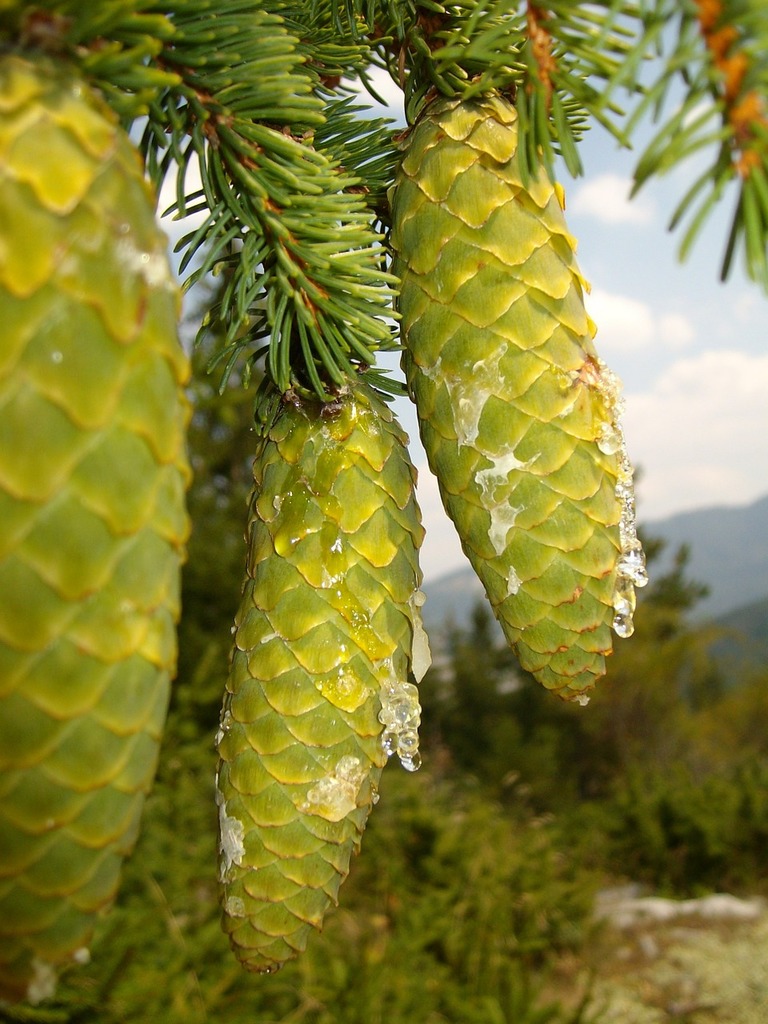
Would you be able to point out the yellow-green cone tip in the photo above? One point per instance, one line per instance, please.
(519, 417)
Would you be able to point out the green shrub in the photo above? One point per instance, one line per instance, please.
(452, 914)
(680, 833)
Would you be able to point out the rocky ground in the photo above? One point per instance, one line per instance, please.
(657, 961)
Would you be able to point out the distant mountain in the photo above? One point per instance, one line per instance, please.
(728, 552)
(451, 598)
(746, 635)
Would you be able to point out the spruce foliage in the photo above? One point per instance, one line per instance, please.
(293, 178)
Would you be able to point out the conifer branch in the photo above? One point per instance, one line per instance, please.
(233, 89)
(561, 62)
(294, 179)
(286, 219)
(721, 55)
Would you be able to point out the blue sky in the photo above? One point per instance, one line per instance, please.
(692, 352)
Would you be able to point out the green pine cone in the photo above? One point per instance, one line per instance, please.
(318, 695)
(518, 415)
(92, 514)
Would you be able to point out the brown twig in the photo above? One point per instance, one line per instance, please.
(541, 44)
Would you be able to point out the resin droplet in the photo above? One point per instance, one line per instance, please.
(335, 796)
(609, 440)
(513, 582)
(234, 906)
(623, 625)
(389, 742)
(43, 983)
(469, 395)
(231, 840)
(630, 565)
(225, 724)
(343, 688)
(497, 483)
(400, 715)
(421, 655)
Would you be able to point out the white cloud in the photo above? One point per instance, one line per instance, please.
(700, 435)
(623, 322)
(676, 331)
(627, 324)
(386, 88)
(606, 197)
(748, 305)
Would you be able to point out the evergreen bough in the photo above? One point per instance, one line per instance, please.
(319, 223)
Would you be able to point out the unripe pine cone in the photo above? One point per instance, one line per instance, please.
(518, 415)
(93, 525)
(328, 639)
